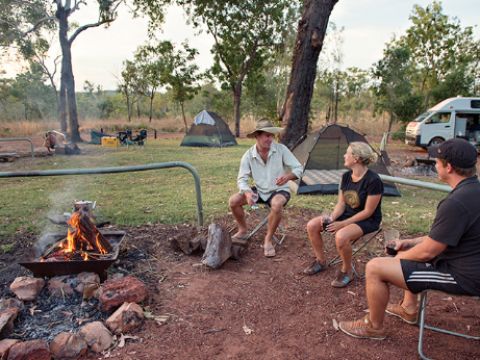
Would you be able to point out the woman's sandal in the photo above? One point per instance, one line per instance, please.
(342, 279)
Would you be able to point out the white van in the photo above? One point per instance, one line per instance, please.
(453, 117)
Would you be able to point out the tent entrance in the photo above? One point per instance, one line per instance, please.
(322, 155)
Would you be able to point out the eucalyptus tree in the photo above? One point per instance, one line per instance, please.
(245, 34)
(394, 77)
(22, 22)
(128, 85)
(443, 51)
(310, 35)
(182, 75)
(152, 66)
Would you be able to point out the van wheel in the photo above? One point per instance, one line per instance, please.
(436, 141)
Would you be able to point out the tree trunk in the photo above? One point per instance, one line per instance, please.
(309, 42)
(139, 113)
(152, 95)
(237, 97)
(62, 105)
(335, 117)
(62, 100)
(71, 98)
(129, 105)
(183, 116)
(67, 79)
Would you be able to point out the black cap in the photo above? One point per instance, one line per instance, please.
(458, 152)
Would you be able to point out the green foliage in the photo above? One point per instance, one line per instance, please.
(394, 90)
(27, 97)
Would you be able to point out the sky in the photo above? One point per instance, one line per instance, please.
(98, 53)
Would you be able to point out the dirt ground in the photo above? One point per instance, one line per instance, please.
(259, 308)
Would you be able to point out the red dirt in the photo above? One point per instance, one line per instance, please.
(290, 315)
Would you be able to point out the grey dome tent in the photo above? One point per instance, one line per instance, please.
(321, 154)
(209, 129)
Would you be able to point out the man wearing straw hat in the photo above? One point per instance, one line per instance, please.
(271, 166)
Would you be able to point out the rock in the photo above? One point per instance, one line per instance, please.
(7, 317)
(30, 350)
(27, 288)
(57, 286)
(219, 247)
(11, 303)
(97, 336)
(114, 293)
(5, 346)
(183, 241)
(88, 285)
(68, 346)
(126, 318)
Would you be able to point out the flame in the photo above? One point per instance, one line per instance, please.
(77, 243)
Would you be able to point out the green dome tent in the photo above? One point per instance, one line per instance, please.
(209, 129)
(321, 154)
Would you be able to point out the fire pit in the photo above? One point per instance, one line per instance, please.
(66, 267)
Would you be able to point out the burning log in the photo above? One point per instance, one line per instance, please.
(85, 235)
(83, 241)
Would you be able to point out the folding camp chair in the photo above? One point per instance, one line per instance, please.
(422, 326)
(259, 210)
(362, 241)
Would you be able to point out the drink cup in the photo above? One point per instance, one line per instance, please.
(327, 219)
(254, 199)
(390, 248)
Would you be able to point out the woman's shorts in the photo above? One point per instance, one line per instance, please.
(367, 225)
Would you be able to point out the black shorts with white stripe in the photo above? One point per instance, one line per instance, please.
(421, 276)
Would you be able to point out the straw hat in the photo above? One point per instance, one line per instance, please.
(265, 125)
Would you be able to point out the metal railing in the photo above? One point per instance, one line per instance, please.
(119, 169)
(21, 139)
(418, 183)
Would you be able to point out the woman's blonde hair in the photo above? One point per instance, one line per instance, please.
(363, 152)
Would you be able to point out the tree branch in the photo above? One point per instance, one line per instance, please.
(38, 24)
(85, 27)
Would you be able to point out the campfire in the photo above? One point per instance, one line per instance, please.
(83, 248)
(83, 242)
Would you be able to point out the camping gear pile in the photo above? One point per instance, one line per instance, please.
(125, 137)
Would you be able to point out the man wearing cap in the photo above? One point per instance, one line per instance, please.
(447, 259)
(271, 166)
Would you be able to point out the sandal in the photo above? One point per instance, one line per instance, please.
(342, 279)
(314, 268)
(240, 240)
(269, 250)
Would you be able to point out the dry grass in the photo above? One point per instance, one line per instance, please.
(362, 121)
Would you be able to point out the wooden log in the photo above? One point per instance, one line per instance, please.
(86, 235)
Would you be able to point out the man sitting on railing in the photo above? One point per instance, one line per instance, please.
(447, 259)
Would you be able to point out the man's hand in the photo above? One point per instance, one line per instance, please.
(282, 180)
(400, 245)
(249, 197)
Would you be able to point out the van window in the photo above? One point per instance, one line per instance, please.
(440, 117)
(475, 104)
(422, 117)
